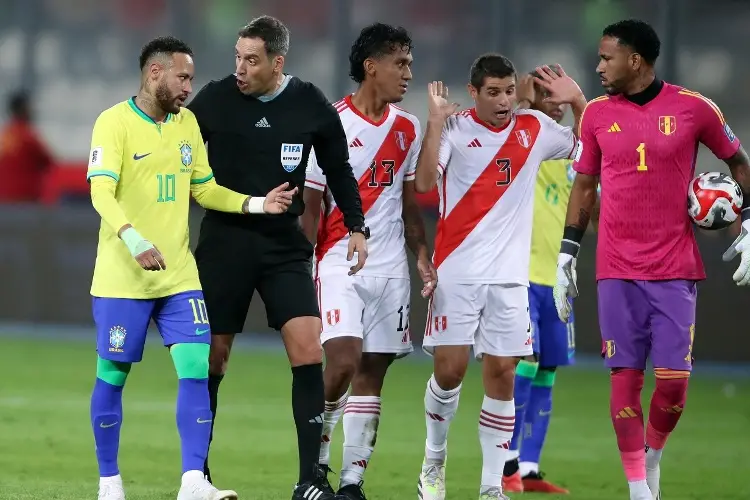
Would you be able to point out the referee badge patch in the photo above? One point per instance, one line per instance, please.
(291, 156)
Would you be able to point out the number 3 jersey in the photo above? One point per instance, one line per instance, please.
(383, 155)
(486, 186)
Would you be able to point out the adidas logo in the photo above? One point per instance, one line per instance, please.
(317, 420)
(614, 128)
(475, 144)
(356, 143)
(311, 493)
(263, 123)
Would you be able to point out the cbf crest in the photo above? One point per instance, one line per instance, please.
(667, 125)
(117, 338)
(186, 153)
(291, 156)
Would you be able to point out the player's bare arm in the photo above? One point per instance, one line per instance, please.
(439, 111)
(739, 167)
(583, 200)
(526, 92)
(311, 216)
(416, 239)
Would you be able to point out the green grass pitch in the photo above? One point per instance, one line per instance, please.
(47, 449)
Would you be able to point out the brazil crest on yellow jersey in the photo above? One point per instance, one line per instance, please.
(154, 165)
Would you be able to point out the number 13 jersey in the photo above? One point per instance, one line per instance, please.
(486, 186)
(383, 156)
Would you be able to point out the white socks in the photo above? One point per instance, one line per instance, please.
(440, 408)
(361, 420)
(331, 416)
(496, 422)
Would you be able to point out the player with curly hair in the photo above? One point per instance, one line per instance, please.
(366, 317)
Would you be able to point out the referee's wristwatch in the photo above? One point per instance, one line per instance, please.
(361, 229)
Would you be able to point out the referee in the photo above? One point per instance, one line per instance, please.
(260, 125)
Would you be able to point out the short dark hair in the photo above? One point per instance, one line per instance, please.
(376, 40)
(18, 103)
(166, 45)
(492, 66)
(638, 35)
(274, 33)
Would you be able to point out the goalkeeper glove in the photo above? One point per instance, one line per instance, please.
(741, 247)
(565, 287)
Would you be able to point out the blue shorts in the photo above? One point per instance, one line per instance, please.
(553, 341)
(122, 324)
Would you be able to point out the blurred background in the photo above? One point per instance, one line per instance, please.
(64, 61)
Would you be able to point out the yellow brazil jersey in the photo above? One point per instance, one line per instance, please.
(154, 165)
(551, 196)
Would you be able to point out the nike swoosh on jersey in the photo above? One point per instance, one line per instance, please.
(137, 157)
(198, 331)
(107, 426)
(201, 421)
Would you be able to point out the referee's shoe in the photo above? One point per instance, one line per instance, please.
(317, 489)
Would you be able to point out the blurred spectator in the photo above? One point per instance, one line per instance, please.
(24, 159)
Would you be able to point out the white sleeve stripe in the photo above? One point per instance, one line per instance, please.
(410, 175)
(441, 168)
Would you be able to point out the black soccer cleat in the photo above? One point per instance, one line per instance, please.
(352, 492)
(317, 489)
(312, 491)
(322, 481)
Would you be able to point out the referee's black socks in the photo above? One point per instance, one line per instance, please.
(308, 405)
(213, 394)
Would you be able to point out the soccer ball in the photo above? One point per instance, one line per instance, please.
(714, 200)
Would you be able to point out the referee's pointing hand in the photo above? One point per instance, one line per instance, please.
(279, 199)
(358, 245)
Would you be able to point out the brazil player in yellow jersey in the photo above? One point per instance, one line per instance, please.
(553, 341)
(147, 159)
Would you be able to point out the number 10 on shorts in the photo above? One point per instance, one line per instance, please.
(200, 314)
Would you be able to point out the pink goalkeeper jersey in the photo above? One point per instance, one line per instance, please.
(646, 158)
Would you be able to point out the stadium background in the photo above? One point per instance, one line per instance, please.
(78, 57)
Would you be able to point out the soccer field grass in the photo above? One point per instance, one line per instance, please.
(47, 449)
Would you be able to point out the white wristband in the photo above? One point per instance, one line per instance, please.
(255, 205)
(135, 242)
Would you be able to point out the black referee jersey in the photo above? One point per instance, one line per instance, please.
(256, 144)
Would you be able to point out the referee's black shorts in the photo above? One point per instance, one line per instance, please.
(235, 257)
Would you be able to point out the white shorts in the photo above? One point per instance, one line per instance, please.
(492, 318)
(373, 309)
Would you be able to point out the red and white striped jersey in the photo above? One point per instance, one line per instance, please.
(486, 186)
(383, 156)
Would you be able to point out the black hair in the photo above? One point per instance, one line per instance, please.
(166, 45)
(18, 103)
(490, 66)
(274, 33)
(376, 41)
(638, 35)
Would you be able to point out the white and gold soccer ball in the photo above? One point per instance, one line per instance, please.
(714, 200)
